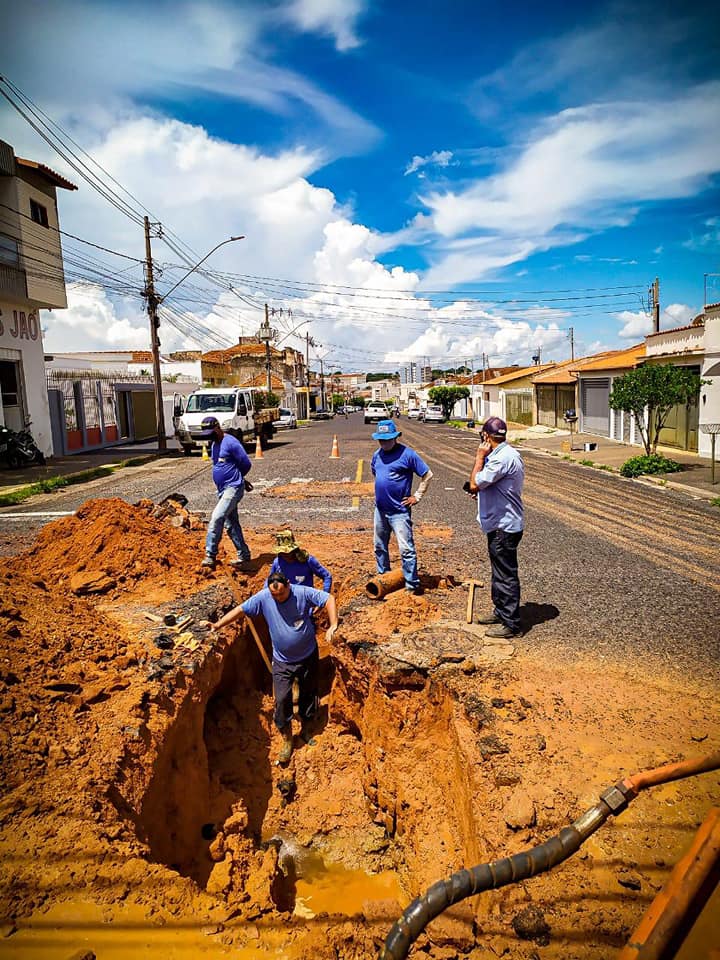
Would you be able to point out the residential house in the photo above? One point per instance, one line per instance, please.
(242, 363)
(681, 346)
(31, 279)
(476, 405)
(511, 396)
(595, 379)
(556, 390)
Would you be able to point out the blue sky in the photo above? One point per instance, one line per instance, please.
(408, 175)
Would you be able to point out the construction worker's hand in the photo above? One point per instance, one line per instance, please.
(248, 486)
(409, 501)
(330, 633)
(208, 625)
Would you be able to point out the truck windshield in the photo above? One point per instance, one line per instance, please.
(211, 403)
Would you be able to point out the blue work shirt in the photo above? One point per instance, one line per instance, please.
(291, 627)
(393, 471)
(302, 571)
(230, 463)
(500, 483)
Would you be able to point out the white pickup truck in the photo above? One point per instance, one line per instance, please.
(234, 407)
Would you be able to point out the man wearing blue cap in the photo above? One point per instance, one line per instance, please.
(497, 479)
(393, 466)
(230, 466)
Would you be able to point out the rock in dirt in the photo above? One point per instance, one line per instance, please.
(492, 746)
(629, 880)
(530, 924)
(91, 581)
(519, 811)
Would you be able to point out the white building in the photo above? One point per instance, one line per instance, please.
(31, 279)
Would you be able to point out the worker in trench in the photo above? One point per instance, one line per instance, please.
(496, 480)
(297, 564)
(230, 466)
(287, 609)
(393, 465)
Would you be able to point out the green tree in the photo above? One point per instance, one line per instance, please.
(263, 399)
(447, 397)
(654, 389)
(338, 400)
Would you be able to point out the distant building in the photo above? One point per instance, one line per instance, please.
(31, 279)
(245, 362)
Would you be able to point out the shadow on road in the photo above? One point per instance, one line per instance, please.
(531, 614)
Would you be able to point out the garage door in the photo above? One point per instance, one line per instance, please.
(595, 407)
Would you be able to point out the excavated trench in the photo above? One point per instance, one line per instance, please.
(378, 809)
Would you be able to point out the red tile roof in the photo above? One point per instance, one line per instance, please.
(618, 360)
(46, 172)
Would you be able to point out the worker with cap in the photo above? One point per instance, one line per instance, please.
(230, 466)
(287, 609)
(393, 465)
(497, 481)
(297, 564)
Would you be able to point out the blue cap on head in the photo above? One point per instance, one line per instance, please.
(386, 430)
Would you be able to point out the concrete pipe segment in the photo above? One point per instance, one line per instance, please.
(384, 583)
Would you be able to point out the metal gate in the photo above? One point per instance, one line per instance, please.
(519, 406)
(594, 406)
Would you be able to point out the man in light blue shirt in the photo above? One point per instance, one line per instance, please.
(497, 480)
(287, 609)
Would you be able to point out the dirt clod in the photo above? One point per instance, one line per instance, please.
(530, 924)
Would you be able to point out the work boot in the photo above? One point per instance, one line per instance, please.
(287, 746)
(245, 566)
(501, 632)
(209, 563)
(490, 618)
(306, 733)
(415, 591)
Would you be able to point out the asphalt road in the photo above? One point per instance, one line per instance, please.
(607, 566)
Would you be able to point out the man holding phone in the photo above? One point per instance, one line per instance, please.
(497, 480)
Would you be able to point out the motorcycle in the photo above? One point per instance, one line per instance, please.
(18, 448)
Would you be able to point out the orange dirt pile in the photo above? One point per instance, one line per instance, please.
(123, 542)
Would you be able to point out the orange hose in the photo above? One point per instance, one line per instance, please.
(671, 771)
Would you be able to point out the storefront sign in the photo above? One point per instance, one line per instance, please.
(19, 324)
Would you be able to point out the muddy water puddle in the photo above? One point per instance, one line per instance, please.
(332, 888)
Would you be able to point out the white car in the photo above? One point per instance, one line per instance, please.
(434, 414)
(375, 412)
(414, 413)
(286, 421)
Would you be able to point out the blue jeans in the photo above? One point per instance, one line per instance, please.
(401, 525)
(225, 515)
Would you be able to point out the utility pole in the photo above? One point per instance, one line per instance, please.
(308, 343)
(322, 385)
(152, 304)
(654, 295)
(571, 338)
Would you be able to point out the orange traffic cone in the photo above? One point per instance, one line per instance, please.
(335, 452)
(258, 448)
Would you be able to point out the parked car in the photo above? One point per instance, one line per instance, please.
(322, 414)
(414, 413)
(375, 412)
(434, 414)
(286, 421)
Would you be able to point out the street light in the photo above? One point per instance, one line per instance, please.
(198, 264)
(153, 302)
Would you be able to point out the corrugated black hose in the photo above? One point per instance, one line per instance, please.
(490, 876)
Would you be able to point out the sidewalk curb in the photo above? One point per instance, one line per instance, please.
(23, 492)
(694, 492)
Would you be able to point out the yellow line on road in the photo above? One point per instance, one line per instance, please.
(358, 479)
